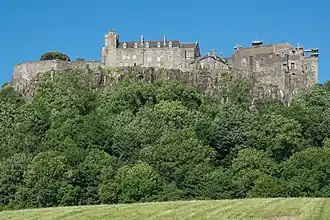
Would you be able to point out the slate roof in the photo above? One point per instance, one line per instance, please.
(153, 44)
(264, 48)
(217, 58)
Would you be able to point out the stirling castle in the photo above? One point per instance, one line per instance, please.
(282, 66)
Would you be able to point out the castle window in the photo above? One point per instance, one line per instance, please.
(244, 62)
(147, 45)
(124, 45)
(262, 62)
(285, 67)
(149, 59)
(306, 66)
(135, 45)
(292, 66)
(170, 44)
(158, 44)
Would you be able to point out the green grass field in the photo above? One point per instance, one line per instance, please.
(270, 209)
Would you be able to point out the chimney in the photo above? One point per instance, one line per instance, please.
(257, 43)
(142, 39)
(213, 52)
(164, 40)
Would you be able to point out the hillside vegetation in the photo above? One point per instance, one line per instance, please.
(247, 209)
(140, 142)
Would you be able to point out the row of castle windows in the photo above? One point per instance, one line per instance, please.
(149, 59)
(284, 66)
(147, 45)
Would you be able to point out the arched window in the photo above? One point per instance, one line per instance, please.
(170, 44)
(135, 45)
(158, 44)
(124, 45)
(147, 45)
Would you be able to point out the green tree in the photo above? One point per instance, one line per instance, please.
(249, 167)
(280, 137)
(307, 173)
(181, 158)
(228, 132)
(11, 176)
(133, 183)
(46, 182)
(54, 56)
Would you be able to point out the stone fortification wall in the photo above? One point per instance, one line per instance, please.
(25, 75)
(25, 79)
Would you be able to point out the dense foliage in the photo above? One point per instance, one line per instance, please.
(54, 56)
(138, 142)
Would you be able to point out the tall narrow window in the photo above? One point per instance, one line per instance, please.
(135, 45)
(244, 62)
(292, 66)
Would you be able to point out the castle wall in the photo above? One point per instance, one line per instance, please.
(25, 74)
(172, 58)
(283, 66)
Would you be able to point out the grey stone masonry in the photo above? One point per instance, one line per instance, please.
(284, 68)
(168, 54)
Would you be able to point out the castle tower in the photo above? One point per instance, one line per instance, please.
(312, 65)
(109, 51)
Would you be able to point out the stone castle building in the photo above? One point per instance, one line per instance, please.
(286, 67)
(169, 54)
(278, 64)
(283, 68)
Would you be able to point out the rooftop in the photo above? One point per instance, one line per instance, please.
(156, 44)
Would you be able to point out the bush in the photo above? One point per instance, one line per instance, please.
(5, 84)
(55, 56)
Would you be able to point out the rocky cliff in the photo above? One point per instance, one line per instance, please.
(25, 77)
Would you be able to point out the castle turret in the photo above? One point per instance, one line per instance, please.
(109, 51)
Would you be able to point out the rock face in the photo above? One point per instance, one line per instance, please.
(25, 78)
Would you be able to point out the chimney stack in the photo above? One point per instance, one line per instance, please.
(142, 39)
(257, 43)
(213, 52)
(164, 40)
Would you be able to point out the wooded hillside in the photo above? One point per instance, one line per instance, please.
(138, 142)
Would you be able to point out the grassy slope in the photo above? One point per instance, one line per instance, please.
(276, 209)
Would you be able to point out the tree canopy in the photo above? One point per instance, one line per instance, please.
(54, 56)
(138, 142)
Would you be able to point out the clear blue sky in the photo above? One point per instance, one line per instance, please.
(77, 27)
